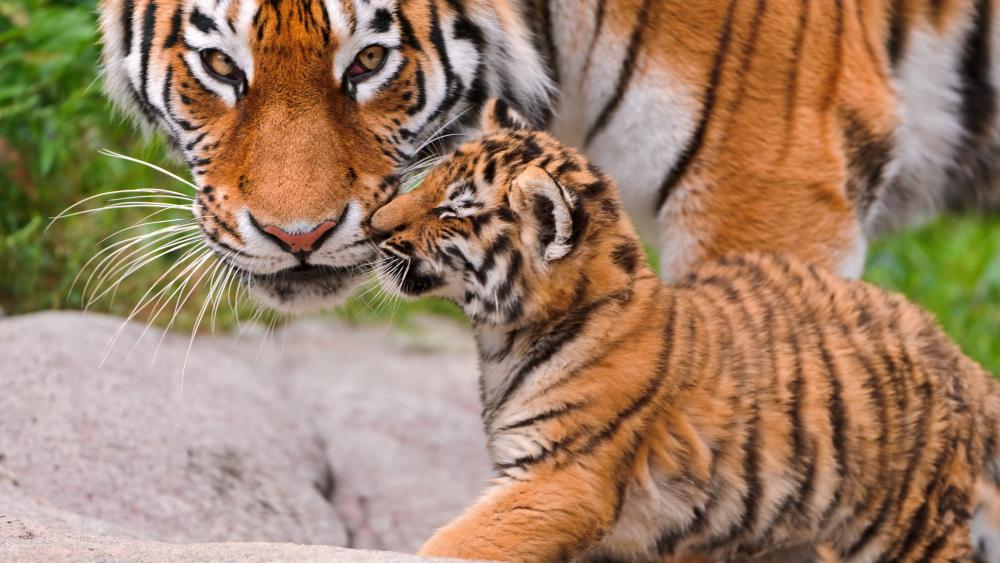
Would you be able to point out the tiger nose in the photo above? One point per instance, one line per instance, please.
(300, 244)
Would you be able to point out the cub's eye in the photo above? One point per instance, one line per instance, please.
(221, 66)
(445, 212)
(368, 61)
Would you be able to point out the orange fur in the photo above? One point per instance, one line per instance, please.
(786, 121)
(760, 405)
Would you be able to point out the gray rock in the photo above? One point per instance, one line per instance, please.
(335, 435)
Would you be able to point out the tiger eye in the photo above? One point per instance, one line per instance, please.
(221, 64)
(371, 57)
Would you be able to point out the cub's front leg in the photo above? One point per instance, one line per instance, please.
(543, 519)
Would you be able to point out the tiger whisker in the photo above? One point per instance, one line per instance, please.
(65, 212)
(142, 302)
(385, 297)
(128, 205)
(123, 271)
(126, 243)
(113, 154)
(394, 302)
(212, 286)
(181, 301)
(111, 247)
(128, 264)
(148, 300)
(446, 124)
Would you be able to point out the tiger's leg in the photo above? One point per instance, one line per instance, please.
(795, 164)
(549, 519)
(704, 220)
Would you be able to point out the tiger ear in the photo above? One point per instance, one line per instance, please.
(497, 114)
(547, 208)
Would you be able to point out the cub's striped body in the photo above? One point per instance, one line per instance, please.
(760, 404)
(799, 126)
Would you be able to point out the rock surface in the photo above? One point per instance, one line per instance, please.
(330, 435)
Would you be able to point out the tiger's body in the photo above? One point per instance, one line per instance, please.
(760, 404)
(799, 126)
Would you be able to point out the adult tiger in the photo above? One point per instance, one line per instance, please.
(786, 125)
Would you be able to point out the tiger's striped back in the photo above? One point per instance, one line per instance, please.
(760, 404)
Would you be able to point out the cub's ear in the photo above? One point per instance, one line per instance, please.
(547, 208)
(497, 114)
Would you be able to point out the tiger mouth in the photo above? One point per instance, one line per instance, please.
(305, 273)
(304, 288)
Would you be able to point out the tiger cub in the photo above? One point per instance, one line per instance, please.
(759, 405)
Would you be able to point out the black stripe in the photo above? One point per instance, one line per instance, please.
(610, 348)
(144, 108)
(918, 447)
(979, 104)
(506, 289)
(204, 23)
(406, 30)
(792, 82)
(935, 547)
(874, 385)
(168, 82)
(898, 32)
(650, 391)
(680, 167)
(872, 530)
(837, 414)
(381, 21)
(624, 75)
(833, 82)
(500, 246)
(668, 539)
(551, 52)
(749, 47)
(453, 84)
(868, 155)
(190, 146)
(128, 9)
(168, 110)
(148, 30)
(325, 28)
(549, 414)
(175, 26)
(421, 86)
(922, 519)
(760, 280)
(626, 256)
(563, 331)
(751, 454)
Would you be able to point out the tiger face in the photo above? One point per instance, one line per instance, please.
(295, 116)
(510, 226)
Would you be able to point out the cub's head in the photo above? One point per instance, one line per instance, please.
(295, 116)
(510, 227)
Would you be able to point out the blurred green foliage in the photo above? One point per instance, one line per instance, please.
(53, 120)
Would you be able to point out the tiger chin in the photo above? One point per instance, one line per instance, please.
(761, 406)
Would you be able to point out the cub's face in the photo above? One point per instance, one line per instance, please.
(494, 227)
(295, 116)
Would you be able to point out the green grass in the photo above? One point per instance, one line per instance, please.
(952, 268)
(53, 120)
